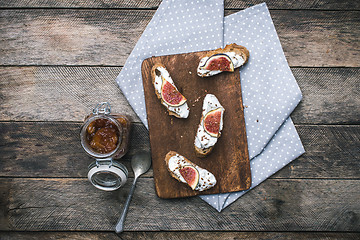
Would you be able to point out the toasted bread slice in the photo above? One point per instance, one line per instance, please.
(205, 142)
(203, 152)
(175, 162)
(181, 111)
(153, 75)
(239, 55)
(238, 49)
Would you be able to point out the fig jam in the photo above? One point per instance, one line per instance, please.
(102, 135)
(126, 126)
(107, 134)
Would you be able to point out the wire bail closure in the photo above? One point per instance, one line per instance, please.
(102, 108)
(98, 162)
(107, 175)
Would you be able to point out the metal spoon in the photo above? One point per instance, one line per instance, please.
(140, 164)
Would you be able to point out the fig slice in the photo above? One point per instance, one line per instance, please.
(212, 121)
(171, 95)
(191, 175)
(219, 62)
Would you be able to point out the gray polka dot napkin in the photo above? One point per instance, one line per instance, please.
(177, 27)
(270, 92)
(284, 147)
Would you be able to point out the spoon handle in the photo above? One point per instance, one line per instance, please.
(120, 224)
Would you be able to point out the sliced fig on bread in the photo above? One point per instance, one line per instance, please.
(170, 95)
(191, 175)
(167, 92)
(212, 122)
(185, 171)
(219, 62)
(210, 126)
(222, 60)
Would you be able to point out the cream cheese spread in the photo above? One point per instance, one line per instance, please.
(204, 140)
(182, 110)
(236, 59)
(206, 179)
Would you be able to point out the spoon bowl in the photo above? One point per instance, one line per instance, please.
(140, 164)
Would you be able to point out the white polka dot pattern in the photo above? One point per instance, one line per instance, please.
(269, 89)
(284, 147)
(177, 27)
(270, 92)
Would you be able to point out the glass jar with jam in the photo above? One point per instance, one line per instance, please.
(105, 136)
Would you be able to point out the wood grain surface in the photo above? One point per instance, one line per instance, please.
(152, 4)
(275, 205)
(164, 235)
(55, 36)
(61, 55)
(229, 159)
(37, 149)
(59, 93)
(45, 93)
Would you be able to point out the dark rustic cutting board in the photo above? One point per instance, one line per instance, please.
(229, 160)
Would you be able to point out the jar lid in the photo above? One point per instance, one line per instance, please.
(107, 174)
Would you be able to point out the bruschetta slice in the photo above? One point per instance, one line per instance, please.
(185, 171)
(210, 126)
(222, 60)
(167, 92)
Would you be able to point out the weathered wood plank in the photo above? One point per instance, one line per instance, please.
(319, 41)
(58, 93)
(330, 95)
(293, 4)
(331, 151)
(52, 149)
(106, 37)
(275, 205)
(70, 37)
(178, 235)
(104, 4)
(277, 4)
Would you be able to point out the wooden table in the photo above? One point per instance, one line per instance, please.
(59, 58)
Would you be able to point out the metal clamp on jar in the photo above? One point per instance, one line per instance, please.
(105, 137)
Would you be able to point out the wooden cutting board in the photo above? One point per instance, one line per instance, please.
(229, 160)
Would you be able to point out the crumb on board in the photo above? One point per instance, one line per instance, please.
(197, 99)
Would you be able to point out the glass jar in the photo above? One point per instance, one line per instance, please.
(105, 137)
